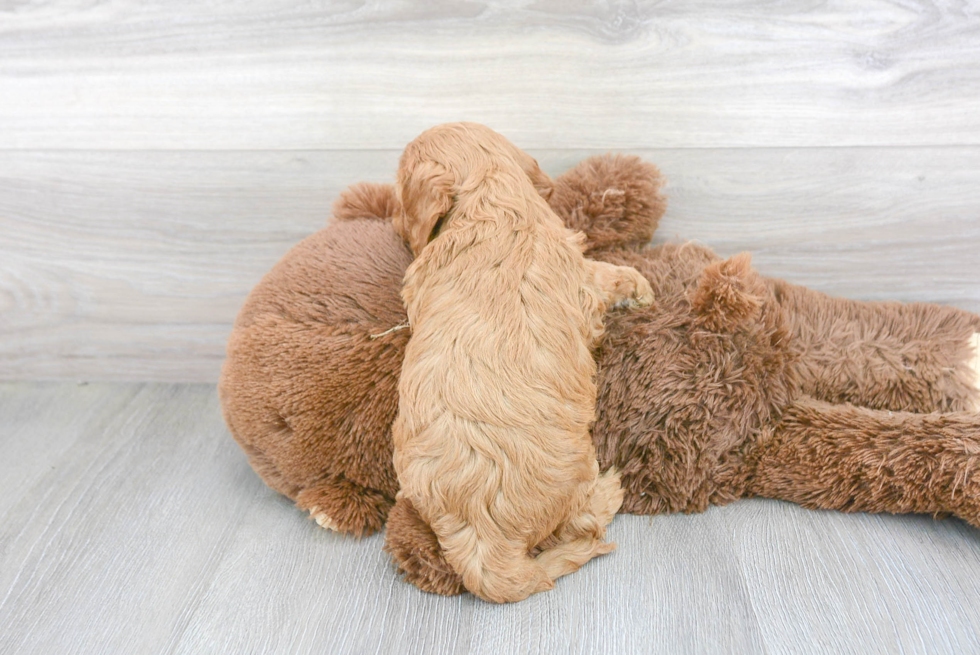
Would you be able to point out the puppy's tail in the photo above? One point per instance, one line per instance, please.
(493, 567)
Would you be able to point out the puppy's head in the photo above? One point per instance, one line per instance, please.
(445, 161)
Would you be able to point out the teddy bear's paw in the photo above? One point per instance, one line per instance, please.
(974, 365)
(323, 519)
(344, 506)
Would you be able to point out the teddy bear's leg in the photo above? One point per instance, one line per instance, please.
(416, 551)
(854, 459)
(344, 506)
(910, 357)
(582, 537)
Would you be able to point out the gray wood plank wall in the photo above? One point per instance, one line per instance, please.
(157, 158)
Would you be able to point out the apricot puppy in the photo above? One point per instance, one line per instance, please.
(497, 390)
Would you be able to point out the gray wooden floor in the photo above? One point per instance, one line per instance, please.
(131, 523)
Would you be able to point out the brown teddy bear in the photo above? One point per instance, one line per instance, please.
(732, 385)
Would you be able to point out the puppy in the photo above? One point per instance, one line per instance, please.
(497, 390)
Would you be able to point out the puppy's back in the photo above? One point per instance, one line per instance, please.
(497, 389)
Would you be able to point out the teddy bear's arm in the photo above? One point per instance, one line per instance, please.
(910, 357)
(616, 200)
(853, 459)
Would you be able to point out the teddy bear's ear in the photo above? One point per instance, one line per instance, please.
(366, 200)
(728, 294)
(615, 200)
(425, 191)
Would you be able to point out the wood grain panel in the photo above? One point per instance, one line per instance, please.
(551, 74)
(146, 532)
(801, 568)
(118, 265)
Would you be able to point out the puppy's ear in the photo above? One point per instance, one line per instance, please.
(425, 193)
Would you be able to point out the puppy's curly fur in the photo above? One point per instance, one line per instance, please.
(497, 392)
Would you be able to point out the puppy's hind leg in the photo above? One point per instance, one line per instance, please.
(493, 567)
(581, 538)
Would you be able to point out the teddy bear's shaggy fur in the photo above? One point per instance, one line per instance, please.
(731, 385)
(497, 389)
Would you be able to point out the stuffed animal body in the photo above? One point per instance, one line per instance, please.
(732, 385)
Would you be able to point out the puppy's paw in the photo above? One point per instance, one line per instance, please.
(543, 582)
(323, 519)
(607, 497)
(643, 294)
(605, 547)
(631, 290)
